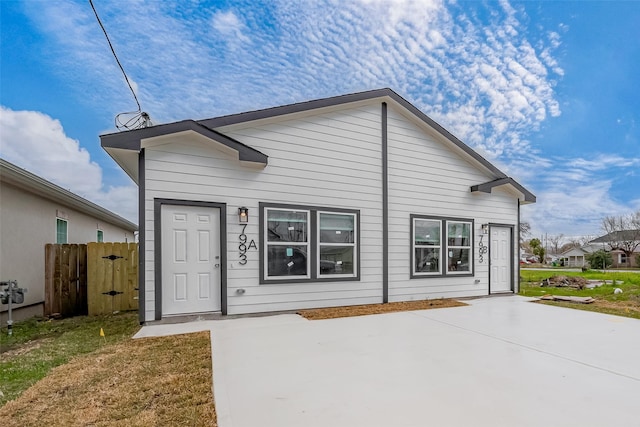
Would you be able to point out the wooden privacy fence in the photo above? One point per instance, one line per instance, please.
(97, 278)
(65, 277)
(112, 277)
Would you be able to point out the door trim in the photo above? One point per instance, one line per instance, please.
(511, 257)
(157, 244)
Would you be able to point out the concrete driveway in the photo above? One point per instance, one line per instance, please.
(498, 362)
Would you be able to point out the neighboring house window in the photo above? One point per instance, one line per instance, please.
(100, 236)
(622, 258)
(61, 230)
(441, 246)
(304, 244)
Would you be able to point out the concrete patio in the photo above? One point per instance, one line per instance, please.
(500, 361)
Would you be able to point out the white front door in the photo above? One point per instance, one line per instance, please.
(190, 259)
(500, 250)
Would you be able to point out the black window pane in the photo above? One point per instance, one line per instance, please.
(286, 226)
(427, 260)
(336, 260)
(287, 260)
(427, 233)
(336, 228)
(458, 234)
(458, 260)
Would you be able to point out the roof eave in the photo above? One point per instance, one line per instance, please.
(114, 143)
(21, 178)
(526, 196)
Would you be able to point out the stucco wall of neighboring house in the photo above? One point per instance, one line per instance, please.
(327, 159)
(27, 223)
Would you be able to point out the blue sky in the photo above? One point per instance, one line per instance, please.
(548, 91)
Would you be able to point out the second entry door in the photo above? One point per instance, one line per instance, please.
(500, 259)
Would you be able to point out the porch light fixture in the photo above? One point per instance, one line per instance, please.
(485, 228)
(243, 215)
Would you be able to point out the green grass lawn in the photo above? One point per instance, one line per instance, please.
(625, 304)
(37, 346)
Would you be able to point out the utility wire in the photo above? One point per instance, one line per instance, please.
(139, 119)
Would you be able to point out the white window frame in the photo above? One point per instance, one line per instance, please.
(468, 247)
(98, 232)
(440, 271)
(66, 231)
(319, 244)
(267, 244)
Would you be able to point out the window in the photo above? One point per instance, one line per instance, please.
(440, 246)
(622, 259)
(308, 243)
(61, 230)
(426, 246)
(337, 244)
(287, 243)
(458, 247)
(99, 236)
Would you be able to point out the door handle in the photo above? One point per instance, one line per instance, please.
(216, 265)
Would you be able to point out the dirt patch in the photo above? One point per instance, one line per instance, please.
(363, 310)
(17, 350)
(151, 381)
(625, 306)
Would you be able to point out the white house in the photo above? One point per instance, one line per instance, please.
(354, 199)
(575, 257)
(34, 212)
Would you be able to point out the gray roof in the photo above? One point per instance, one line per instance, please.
(618, 236)
(27, 181)
(130, 140)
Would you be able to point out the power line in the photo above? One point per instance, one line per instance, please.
(138, 119)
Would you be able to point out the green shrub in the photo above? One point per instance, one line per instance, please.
(599, 259)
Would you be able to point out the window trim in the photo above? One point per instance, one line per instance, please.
(66, 231)
(438, 273)
(470, 247)
(98, 235)
(444, 248)
(314, 245)
(354, 245)
(307, 244)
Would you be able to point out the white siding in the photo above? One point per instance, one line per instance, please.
(328, 160)
(427, 178)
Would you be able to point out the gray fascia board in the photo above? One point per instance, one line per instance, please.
(346, 99)
(131, 140)
(282, 110)
(21, 178)
(488, 186)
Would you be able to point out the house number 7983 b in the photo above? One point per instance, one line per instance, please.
(245, 245)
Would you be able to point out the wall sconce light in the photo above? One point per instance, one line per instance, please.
(485, 228)
(243, 215)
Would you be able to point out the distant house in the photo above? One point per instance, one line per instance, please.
(575, 257)
(624, 247)
(355, 199)
(34, 212)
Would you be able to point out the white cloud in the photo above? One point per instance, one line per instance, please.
(36, 142)
(229, 26)
(576, 192)
(478, 74)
